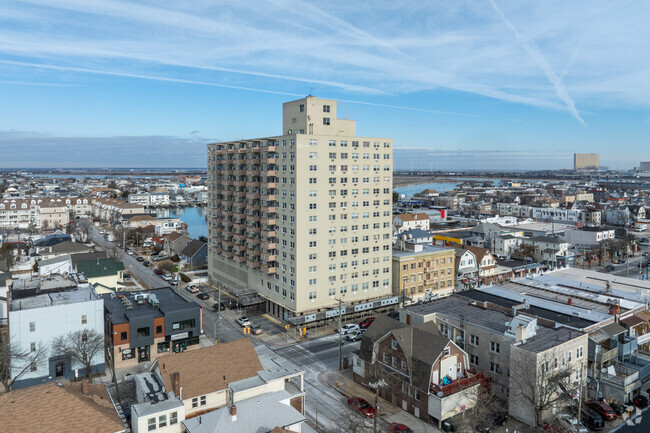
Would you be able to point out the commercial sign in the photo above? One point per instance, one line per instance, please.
(180, 336)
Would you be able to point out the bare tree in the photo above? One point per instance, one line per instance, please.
(486, 403)
(537, 382)
(15, 361)
(81, 346)
(350, 422)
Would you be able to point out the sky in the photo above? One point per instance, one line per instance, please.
(457, 84)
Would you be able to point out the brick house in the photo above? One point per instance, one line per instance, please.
(427, 374)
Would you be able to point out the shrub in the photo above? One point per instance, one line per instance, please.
(184, 278)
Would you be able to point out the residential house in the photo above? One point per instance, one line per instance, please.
(140, 327)
(489, 272)
(544, 367)
(427, 374)
(265, 413)
(408, 221)
(169, 225)
(466, 269)
(550, 249)
(505, 245)
(5, 282)
(175, 243)
(64, 248)
(43, 309)
(106, 275)
(154, 409)
(195, 254)
(55, 265)
(137, 221)
(60, 408)
(240, 372)
(421, 270)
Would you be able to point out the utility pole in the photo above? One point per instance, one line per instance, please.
(217, 335)
(340, 334)
(376, 385)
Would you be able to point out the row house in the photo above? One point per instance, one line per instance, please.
(427, 375)
(113, 210)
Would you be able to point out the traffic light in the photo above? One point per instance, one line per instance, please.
(247, 330)
(300, 331)
(287, 327)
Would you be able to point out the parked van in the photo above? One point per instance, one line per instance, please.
(591, 419)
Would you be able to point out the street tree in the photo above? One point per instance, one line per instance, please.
(81, 346)
(16, 361)
(486, 403)
(7, 254)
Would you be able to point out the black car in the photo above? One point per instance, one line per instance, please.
(619, 408)
(591, 418)
(215, 307)
(609, 268)
(146, 263)
(140, 259)
(203, 296)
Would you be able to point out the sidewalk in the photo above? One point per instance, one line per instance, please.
(345, 385)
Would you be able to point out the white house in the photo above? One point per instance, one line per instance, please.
(410, 221)
(45, 308)
(588, 236)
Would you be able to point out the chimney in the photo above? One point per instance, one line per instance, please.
(520, 333)
(176, 383)
(569, 301)
(233, 413)
(84, 387)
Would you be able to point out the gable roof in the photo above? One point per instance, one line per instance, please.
(69, 247)
(144, 217)
(85, 257)
(210, 369)
(413, 216)
(172, 236)
(59, 409)
(100, 267)
(193, 248)
(381, 326)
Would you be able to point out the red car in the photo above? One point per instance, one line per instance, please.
(603, 409)
(367, 322)
(361, 406)
(395, 427)
(157, 271)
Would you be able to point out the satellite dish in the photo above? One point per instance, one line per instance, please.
(440, 394)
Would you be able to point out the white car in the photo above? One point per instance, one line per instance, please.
(192, 288)
(243, 321)
(356, 335)
(349, 328)
(166, 277)
(571, 424)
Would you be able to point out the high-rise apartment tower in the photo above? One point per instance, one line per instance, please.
(303, 218)
(585, 161)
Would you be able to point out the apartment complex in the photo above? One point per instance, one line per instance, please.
(305, 217)
(585, 161)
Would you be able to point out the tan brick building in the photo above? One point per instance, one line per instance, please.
(305, 217)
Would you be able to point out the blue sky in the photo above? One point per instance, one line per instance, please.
(456, 84)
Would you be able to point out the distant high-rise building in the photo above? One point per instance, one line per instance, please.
(303, 218)
(585, 161)
(645, 166)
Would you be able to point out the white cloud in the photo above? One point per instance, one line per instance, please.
(555, 54)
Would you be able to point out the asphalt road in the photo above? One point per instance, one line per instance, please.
(324, 406)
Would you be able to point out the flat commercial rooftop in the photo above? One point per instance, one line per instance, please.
(82, 293)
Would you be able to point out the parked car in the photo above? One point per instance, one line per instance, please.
(619, 408)
(350, 327)
(243, 321)
(354, 336)
(146, 263)
(130, 252)
(167, 277)
(620, 261)
(609, 268)
(360, 405)
(140, 259)
(644, 254)
(591, 419)
(395, 427)
(215, 307)
(256, 329)
(155, 253)
(367, 322)
(192, 288)
(640, 401)
(159, 272)
(603, 409)
(203, 296)
(174, 281)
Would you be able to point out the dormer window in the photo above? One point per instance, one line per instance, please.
(393, 344)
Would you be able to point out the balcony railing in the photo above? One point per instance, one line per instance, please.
(459, 384)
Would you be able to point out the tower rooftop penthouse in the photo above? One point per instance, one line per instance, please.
(303, 218)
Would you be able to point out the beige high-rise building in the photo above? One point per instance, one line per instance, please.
(585, 161)
(304, 218)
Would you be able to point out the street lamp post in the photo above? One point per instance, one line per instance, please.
(376, 385)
